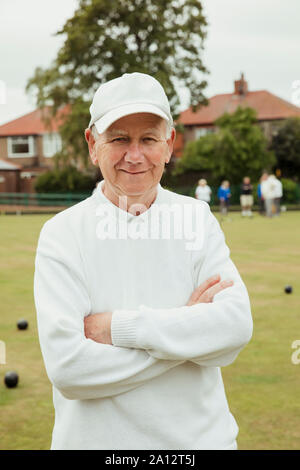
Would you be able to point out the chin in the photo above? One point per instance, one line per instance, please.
(136, 189)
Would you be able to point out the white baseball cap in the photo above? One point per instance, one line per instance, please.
(129, 94)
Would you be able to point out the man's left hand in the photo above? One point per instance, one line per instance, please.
(98, 327)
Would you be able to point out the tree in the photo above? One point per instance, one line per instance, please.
(238, 148)
(286, 147)
(106, 38)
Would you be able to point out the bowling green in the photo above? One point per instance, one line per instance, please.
(262, 385)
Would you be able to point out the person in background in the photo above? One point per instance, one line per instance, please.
(278, 196)
(224, 195)
(246, 197)
(268, 190)
(203, 191)
(261, 201)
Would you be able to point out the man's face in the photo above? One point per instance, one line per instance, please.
(132, 153)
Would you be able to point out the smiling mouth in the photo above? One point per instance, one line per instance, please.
(134, 172)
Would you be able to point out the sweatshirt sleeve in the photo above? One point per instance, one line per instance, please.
(209, 334)
(79, 367)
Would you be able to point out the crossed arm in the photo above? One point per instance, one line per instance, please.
(97, 327)
(91, 356)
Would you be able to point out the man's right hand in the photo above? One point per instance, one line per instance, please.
(207, 290)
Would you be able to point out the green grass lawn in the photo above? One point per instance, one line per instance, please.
(262, 385)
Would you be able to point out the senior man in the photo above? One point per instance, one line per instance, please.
(138, 303)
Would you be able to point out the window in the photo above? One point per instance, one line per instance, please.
(26, 175)
(20, 146)
(201, 131)
(51, 144)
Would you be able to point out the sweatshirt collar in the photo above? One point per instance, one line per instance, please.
(100, 198)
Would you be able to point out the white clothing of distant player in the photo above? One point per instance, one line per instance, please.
(203, 193)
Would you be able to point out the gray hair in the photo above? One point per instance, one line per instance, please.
(94, 132)
(169, 127)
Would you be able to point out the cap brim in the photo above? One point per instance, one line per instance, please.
(104, 122)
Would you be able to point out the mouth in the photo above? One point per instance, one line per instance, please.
(134, 172)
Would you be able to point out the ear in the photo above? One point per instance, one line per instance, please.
(170, 143)
(91, 145)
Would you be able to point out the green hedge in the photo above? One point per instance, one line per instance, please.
(67, 180)
(291, 191)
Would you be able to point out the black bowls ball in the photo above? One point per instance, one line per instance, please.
(11, 379)
(22, 324)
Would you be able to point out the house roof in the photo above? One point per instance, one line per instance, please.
(32, 123)
(4, 165)
(267, 106)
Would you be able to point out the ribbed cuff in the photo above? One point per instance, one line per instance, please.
(123, 328)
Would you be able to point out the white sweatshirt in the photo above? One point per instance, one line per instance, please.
(271, 188)
(203, 193)
(159, 386)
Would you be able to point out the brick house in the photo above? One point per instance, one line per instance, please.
(271, 111)
(9, 177)
(27, 145)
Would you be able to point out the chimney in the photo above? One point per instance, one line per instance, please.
(240, 86)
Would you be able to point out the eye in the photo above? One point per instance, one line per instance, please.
(120, 139)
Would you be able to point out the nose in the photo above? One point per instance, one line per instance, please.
(134, 153)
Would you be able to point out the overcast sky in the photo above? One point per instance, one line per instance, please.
(260, 38)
